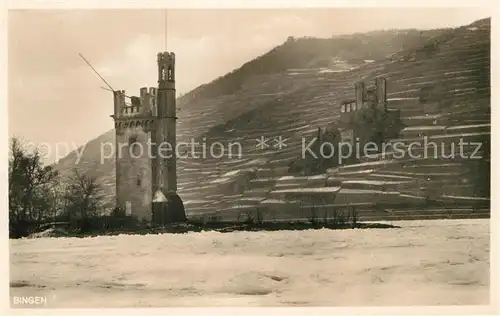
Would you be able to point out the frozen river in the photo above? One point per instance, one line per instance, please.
(422, 263)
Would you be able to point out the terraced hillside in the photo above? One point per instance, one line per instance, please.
(440, 84)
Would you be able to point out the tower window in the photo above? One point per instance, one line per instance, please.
(163, 74)
(138, 181)
(170, 74)
(132, 140)
(134, 146)
(342, 108)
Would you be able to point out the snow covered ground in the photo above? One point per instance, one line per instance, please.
(423, 263)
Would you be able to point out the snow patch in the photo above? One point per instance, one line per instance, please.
(308, 190)
(221, 180)
(159, 197)
(231, 173)
(322, 71)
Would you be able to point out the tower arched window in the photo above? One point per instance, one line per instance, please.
(163, 74)
(134, 145)
(170, 73)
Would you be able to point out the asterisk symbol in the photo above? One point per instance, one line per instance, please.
(280, 142)
(262, 143)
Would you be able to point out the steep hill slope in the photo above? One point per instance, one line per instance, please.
(258, 82)
(298, 87)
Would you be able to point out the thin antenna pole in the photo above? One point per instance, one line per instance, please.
(165, 29)
(107, 89)
(86, 61)
(104, 88)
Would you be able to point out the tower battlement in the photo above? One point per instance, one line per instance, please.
(166, 70)
(144, 104)
(164, 56)
(366, 96)
(119, 102)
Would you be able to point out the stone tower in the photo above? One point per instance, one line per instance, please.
(146, 177)
(171, 209)
(134, 123)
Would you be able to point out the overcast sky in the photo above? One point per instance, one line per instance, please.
(55, 97)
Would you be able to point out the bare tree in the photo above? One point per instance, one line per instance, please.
(29, 181)
(84, 197)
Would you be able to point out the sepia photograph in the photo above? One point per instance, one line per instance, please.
(249, 157)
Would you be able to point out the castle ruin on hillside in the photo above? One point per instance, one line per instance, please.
(364, 119)
(146, 173)
(371, 97)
